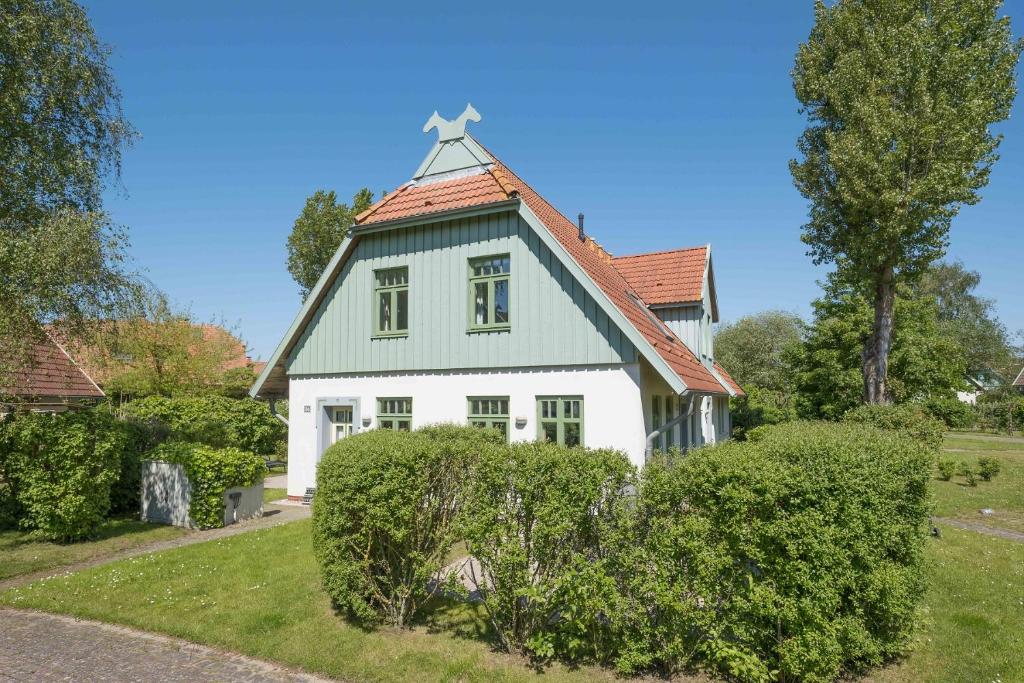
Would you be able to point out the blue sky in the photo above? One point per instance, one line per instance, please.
(667, 126)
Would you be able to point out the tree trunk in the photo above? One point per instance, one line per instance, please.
(875, 357)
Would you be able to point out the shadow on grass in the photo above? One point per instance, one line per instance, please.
(12, 538)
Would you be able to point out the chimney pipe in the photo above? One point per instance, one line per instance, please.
(583, 235)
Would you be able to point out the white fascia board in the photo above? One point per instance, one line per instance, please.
(607, 305)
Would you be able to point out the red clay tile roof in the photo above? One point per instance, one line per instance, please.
(729, 380)
(665, 277)
(446, 195)
(52, 373)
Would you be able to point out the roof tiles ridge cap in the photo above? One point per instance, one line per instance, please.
(663, 251)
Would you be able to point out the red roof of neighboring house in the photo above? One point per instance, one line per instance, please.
(498, 184)
(665, 277)
(52, 372)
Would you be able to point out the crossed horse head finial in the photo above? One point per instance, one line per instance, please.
(451, 130)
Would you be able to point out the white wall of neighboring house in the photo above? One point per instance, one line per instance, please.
(968, 397)
(613, 415)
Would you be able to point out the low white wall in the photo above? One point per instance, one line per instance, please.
(612, 410)
(167, 494)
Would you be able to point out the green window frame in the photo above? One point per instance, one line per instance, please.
(659, 442)
(394, 413)
(488, 412)
(490, 295)
(391, 302)
(560, 419)
(671, 412)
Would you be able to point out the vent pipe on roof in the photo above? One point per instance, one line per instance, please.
(583, 235)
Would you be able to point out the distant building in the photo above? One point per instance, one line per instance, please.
(979, 383)
(1018, 383)
(51, 382)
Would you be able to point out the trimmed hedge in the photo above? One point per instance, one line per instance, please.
(953, 412)
(384, 516)
(216, 421)
(210, 472)
(59, 469)
(905, 417)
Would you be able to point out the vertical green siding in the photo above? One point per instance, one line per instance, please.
(554, 320)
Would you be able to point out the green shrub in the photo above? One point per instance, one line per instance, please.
(1000, 411)
(210, 472)
(947, 468)
(969, 473)
(953, 412)
(60, 468)
(790, 557)
(759, 407)
(537, 518)
(384, 516)
(988, 467)
(10, 511)
(216, 421)
(904, 417)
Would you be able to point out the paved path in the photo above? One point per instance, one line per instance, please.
(982, 529)
(276, 481)
(47, 647)
(273, 515)
(953, 436)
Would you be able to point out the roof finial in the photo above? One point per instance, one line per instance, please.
(451, 130)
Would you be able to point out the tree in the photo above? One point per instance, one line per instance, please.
(61, 136)
(968, 319)
(900, 96)
(318, 232)
(925, 363)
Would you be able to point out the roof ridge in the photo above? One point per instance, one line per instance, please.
(663, 251)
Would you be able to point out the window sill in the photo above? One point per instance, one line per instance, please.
(390, 335)
(489, 328)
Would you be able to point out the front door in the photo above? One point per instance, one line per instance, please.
(341, 423)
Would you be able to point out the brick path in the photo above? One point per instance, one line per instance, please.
(46, 647)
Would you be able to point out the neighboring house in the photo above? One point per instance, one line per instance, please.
(51, 382)
(978, 383)
(1018, 383)
(464, 296)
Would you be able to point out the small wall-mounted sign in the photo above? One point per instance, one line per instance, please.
(520, 422)
(306, 409)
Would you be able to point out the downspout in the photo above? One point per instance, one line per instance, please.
(273, 411)
(649, 451)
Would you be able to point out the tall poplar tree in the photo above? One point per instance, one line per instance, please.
(900, 97)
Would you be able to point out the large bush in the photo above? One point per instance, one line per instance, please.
(797, 554)
(210, 472)
(760, 407)
(217, 421)
(59, 470)
(385, 514)
(1001, 411)
(908, 418)
(953, 412)
(541, 521)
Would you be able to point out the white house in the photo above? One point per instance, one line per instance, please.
(464, 296)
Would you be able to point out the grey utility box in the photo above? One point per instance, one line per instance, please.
(167, 493)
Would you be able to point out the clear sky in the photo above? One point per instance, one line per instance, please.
(666, 125)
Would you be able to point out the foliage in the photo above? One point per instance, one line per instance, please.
(947, 468)
(61, 468)
(791, 557)
(1001, 411)
(318, 232)
(217, 421)
(141, 436)
(61, 135)
(923, 364)
(759, 407)
(900, 97)
(988, 467)
(210, 471)
(902, 418)
(385, 516)
(540, 519)
(758, 349)
(969, 473)
(953, 412)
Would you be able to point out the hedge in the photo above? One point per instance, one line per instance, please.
(953, 412)
(384, 516)
(210, 472)
(59, 469)
(217, 421)
(909, 418)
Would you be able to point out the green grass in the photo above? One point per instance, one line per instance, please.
(22, 553)
(259, 593)
(270, 495)
(973, 617)
(1004, 494)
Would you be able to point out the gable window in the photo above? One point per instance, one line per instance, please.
(394, 413)
(489, 293)
(489, 412)
(560, 419)
(391, 302)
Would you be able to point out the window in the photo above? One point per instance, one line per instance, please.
(341, 422)
(391, 302)
(560, 419)
(394, 413)
(489, 293)
(489, 411)
(656, 421)
(670, 414)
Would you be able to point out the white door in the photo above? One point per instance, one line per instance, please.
(341, 423)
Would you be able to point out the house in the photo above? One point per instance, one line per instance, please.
(464, 296)
(1018, 383)
(51, 382)
(978, 383)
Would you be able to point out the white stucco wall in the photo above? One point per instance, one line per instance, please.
(613, 414)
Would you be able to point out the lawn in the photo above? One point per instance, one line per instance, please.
(270, 495)
(1004, 494)
(22, 553)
